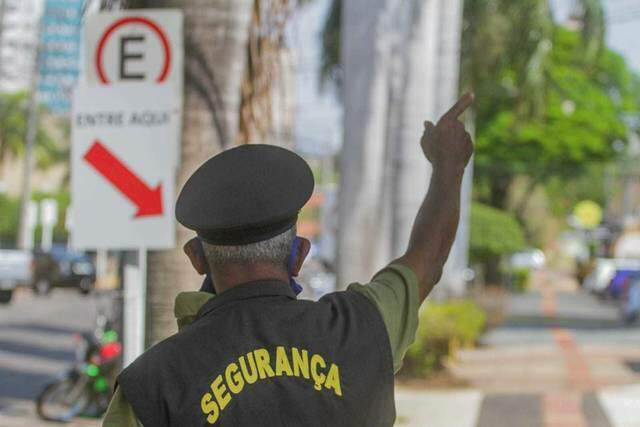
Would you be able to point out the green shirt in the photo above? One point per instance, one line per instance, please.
(394, 291)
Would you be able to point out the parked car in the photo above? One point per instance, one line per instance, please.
(605, 271)
(63, 267)
(530, 259)
(15, 270)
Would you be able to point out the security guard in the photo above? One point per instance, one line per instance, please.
(253, 354)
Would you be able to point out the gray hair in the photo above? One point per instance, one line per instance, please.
(274, 251)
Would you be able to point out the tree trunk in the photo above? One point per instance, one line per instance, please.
(400, 61)
(492, 275)
(363, 208)
(499, 192)
(215, 33)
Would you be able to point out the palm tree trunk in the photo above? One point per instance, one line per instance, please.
(215, 37)
(363, 208)
(400, 61)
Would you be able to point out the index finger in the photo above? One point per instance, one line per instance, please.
(460, 106)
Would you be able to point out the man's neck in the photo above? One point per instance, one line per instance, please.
(231, 275)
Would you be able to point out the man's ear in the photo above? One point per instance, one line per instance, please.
(304, 246)
(195, 253)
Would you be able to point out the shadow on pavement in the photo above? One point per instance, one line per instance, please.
(593, 411)
(38, 328)
(576, 323)
(17, 348)
(522, 410)
(21, 385)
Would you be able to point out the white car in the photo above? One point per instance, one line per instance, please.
(532, 259)
(15, 269)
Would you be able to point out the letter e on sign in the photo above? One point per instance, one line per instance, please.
(134, 46)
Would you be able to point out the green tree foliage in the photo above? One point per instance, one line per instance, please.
(504, 50)
(584, 105)
(590, 185)
(9, 211)
(494, 233)
(444, 328)
(13, 131)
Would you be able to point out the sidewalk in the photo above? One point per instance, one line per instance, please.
(561, 359)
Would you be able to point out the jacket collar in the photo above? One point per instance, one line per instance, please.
(244, 291)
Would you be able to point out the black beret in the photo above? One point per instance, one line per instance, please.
(245, 195)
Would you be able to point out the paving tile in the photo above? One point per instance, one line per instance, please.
(593, 411)
(419, 408)
(522, 410)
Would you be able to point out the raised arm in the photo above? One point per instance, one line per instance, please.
(448, 147)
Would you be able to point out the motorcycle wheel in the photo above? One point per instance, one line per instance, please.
(63, 400)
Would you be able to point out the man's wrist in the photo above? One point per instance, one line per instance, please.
(449, 171)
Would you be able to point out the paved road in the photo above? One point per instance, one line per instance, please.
(36, 344)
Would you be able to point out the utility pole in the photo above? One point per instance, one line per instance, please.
(32, 132)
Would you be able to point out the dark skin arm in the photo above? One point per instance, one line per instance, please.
(447, 145)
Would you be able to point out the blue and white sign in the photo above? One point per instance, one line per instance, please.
(60, 53)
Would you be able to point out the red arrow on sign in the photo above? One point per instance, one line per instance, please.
(148, 200)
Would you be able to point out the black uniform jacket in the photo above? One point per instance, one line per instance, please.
(257, 356)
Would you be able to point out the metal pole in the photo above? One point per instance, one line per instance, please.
(142, 302)
(32, 131)
(135, 296)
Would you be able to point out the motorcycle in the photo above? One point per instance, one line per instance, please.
(86, 388)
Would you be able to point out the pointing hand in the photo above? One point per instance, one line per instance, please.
(447, 144)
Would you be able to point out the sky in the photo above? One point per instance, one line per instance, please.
(318, 116)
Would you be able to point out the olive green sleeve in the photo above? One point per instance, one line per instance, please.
(120, 413)
(187, 305)
(395, 292)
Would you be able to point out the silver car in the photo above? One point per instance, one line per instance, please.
(15, 270)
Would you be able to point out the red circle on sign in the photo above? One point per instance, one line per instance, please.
(134, 20)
